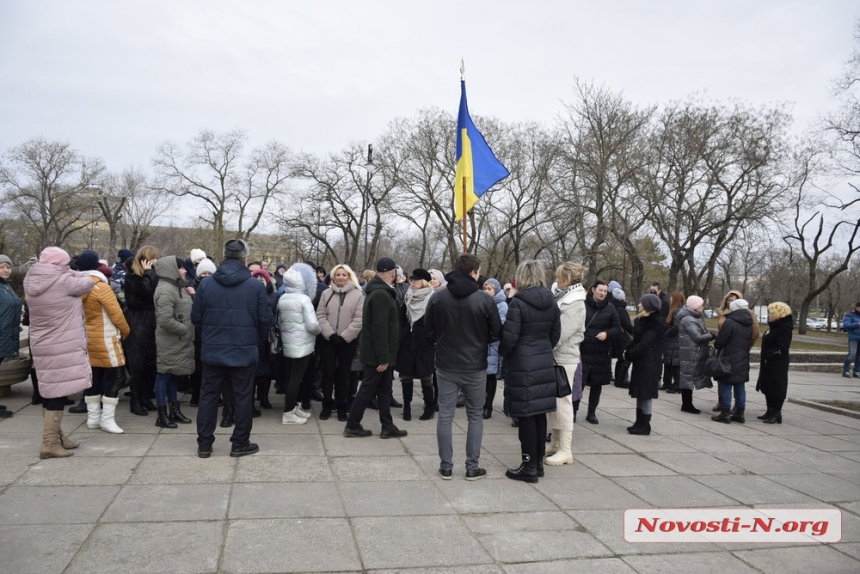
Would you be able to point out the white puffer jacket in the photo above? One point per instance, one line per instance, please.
(297, 318)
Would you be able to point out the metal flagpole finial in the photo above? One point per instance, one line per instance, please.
(462, 69)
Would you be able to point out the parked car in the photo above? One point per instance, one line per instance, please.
(710, 313)
(816, 323)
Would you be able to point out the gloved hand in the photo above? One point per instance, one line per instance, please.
(336, 339)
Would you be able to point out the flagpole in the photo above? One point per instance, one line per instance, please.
(465, 240)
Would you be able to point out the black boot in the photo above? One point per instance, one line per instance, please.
(575, 409)
(637, 423)
(527, 471)
(135, 406)
(687, 402)
(725, 416)
(177, 416)
(645, 428)
(429, 401)
(163, 420)
(408, 388)
(766, 415)
(738, 415)
(227, 419)
(147, 403)
(263, 386)
(80, 408)
(774, 418)
(591, 417)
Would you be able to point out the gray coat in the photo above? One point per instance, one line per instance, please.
(174, 335)
(693, 339)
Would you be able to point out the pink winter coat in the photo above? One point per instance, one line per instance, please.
(58, 338)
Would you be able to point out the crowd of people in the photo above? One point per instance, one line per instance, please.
(224, 332)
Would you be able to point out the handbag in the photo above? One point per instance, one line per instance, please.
(276, 345)
(562, 384)
(718, 367)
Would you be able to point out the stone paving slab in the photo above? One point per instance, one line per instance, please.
(371, 505)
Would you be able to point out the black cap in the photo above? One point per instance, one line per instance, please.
(88, 261)
(420, 274)
(236, 249)
(385, 264)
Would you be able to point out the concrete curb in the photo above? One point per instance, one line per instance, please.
(823, 407)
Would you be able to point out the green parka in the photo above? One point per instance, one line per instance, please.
(174, 335)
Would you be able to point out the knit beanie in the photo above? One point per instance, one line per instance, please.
(5, 259)
(618, 294)
(650, 302)
(206, 266)
(236, 249)
(55, 256)
(613, 285)
(88, 261)
(263, 273)
(739, 304)
(694, 302)
(197, 255)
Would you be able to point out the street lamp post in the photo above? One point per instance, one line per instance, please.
(369, 167)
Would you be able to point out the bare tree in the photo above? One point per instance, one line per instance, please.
(49, 185)
(211, 170)
(144, 203)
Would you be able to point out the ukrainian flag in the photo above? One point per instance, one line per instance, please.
(477, 167)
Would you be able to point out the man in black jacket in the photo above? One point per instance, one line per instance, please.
(233, 313)
(380, 332)
(462, 320)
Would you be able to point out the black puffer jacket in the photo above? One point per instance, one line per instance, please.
(462, 320)
(775, 344)
(672, 341)
(646, 352)
(733, 343)
(415, 353)
(596, 361)
(139, 346)
(532, 328)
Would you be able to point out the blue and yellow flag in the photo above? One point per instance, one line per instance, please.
(477, 167)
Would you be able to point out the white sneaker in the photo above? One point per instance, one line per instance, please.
(302, 413)
(291, 418)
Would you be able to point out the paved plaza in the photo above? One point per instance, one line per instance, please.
(314, 501)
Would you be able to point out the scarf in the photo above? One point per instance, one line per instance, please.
(560, 293)
(416, 303)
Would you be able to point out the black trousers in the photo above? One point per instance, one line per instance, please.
(373, 384)
(107, 377)
(336, 363)
(532, 431)
(295, 370)
(671, 375)
(491, 391)
(241, 382)
(55, 404)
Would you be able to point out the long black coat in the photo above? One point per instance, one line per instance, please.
(734, 342)
(267, 365)
(594, 354)
(532, 329)
(139, 346)
(672, 340)
(415, 353)
(775, 344)
(622, 339)
(646, 353)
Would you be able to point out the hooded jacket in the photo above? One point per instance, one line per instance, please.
(174, 334)
(339, 311)
(693, 339)
(851, 325)
(105, 323)
(532, 329)
(572, 309)
(733, 343)
(58, 338)
(462, 320)
(379, 329)
(10, 321)
(596, 361)
(233, 313)
(297, 318)
(646, 353)
(724, 310)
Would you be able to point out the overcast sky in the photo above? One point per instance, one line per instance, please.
(117, 78)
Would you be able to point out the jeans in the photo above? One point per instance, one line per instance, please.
(725, 390)
(473, 385)
(165, 389)
(852, 356)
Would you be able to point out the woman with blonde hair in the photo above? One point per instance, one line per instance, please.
(531, 331)
(339, 317)
(139, 286)
(570, 298)
(773, 376)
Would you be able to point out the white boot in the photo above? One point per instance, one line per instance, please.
(108, 422)
(553, 445)
(94, 412)
(563, 456)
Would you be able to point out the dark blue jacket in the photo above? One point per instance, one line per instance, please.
(851, 325)
(234, 315)
(10, 321)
